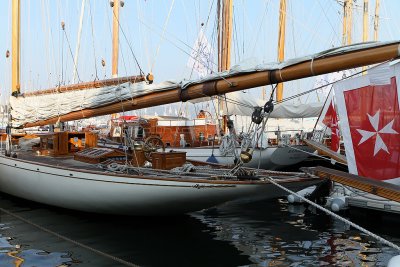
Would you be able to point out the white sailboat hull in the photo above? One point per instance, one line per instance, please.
(120, 194)
(270, 158)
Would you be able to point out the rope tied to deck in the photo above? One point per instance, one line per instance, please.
(336, 216)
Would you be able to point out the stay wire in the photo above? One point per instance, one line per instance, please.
(187, 53)
(72, 55)
(93, 42)
(328, 84)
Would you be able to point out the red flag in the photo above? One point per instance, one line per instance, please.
(331, 121)
(374, 124)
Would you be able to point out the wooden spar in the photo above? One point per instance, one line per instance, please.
(16, 47)
(365, 27)
(376, 20)
(312, 67)
(324, 150)
(115, 39)
(88, 85)
(379, 188)
(281, 44)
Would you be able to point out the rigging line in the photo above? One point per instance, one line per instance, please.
(331, 83)
(235, 32)
(129, 45)
(62, 61)
(109, 30)
(261, 24)
(327, 18)
(70, 51)
(163, 34)
(143, 44)
(205, 27)
(209, 13)
(93, 42)
(213, 63)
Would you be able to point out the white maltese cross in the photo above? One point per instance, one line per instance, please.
(379, 144)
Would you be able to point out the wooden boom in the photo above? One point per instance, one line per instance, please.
(312, 67)
(88, 85)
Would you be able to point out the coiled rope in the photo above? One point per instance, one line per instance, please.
(340, 218)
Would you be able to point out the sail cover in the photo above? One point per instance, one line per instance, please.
(241, 103)
(369, 115)
(42, 107)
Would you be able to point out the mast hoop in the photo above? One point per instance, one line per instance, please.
(210, 88)
(183, 95)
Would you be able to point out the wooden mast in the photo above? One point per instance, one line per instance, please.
(224, 46)
(365, 27)
(307, 68)
(281, 44)
(226, 35)
(376, 20)
(365, 21)
(115, 4)
(16, 48)
(347, 21)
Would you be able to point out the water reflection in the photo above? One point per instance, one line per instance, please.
(268, 233)
(278, 234)
(16, 256)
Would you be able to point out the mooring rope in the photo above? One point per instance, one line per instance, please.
(379, 238)
(69, 239)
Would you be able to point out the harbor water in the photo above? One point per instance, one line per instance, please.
(266, 233)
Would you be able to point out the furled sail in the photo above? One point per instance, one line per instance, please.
(43, 106)
(27, 111)
(240, 103)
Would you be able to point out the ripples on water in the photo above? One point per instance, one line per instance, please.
(14, 255)
(268, 233)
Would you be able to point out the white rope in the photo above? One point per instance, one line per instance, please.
(380, 239)
(311, 154)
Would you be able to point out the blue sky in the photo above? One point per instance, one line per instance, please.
(312, 26)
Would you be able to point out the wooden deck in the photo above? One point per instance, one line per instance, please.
(379, 188)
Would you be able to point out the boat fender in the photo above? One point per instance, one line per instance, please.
(256, 116)
(269, 106)
(306, 191)
(338, 203)
(394, 261)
